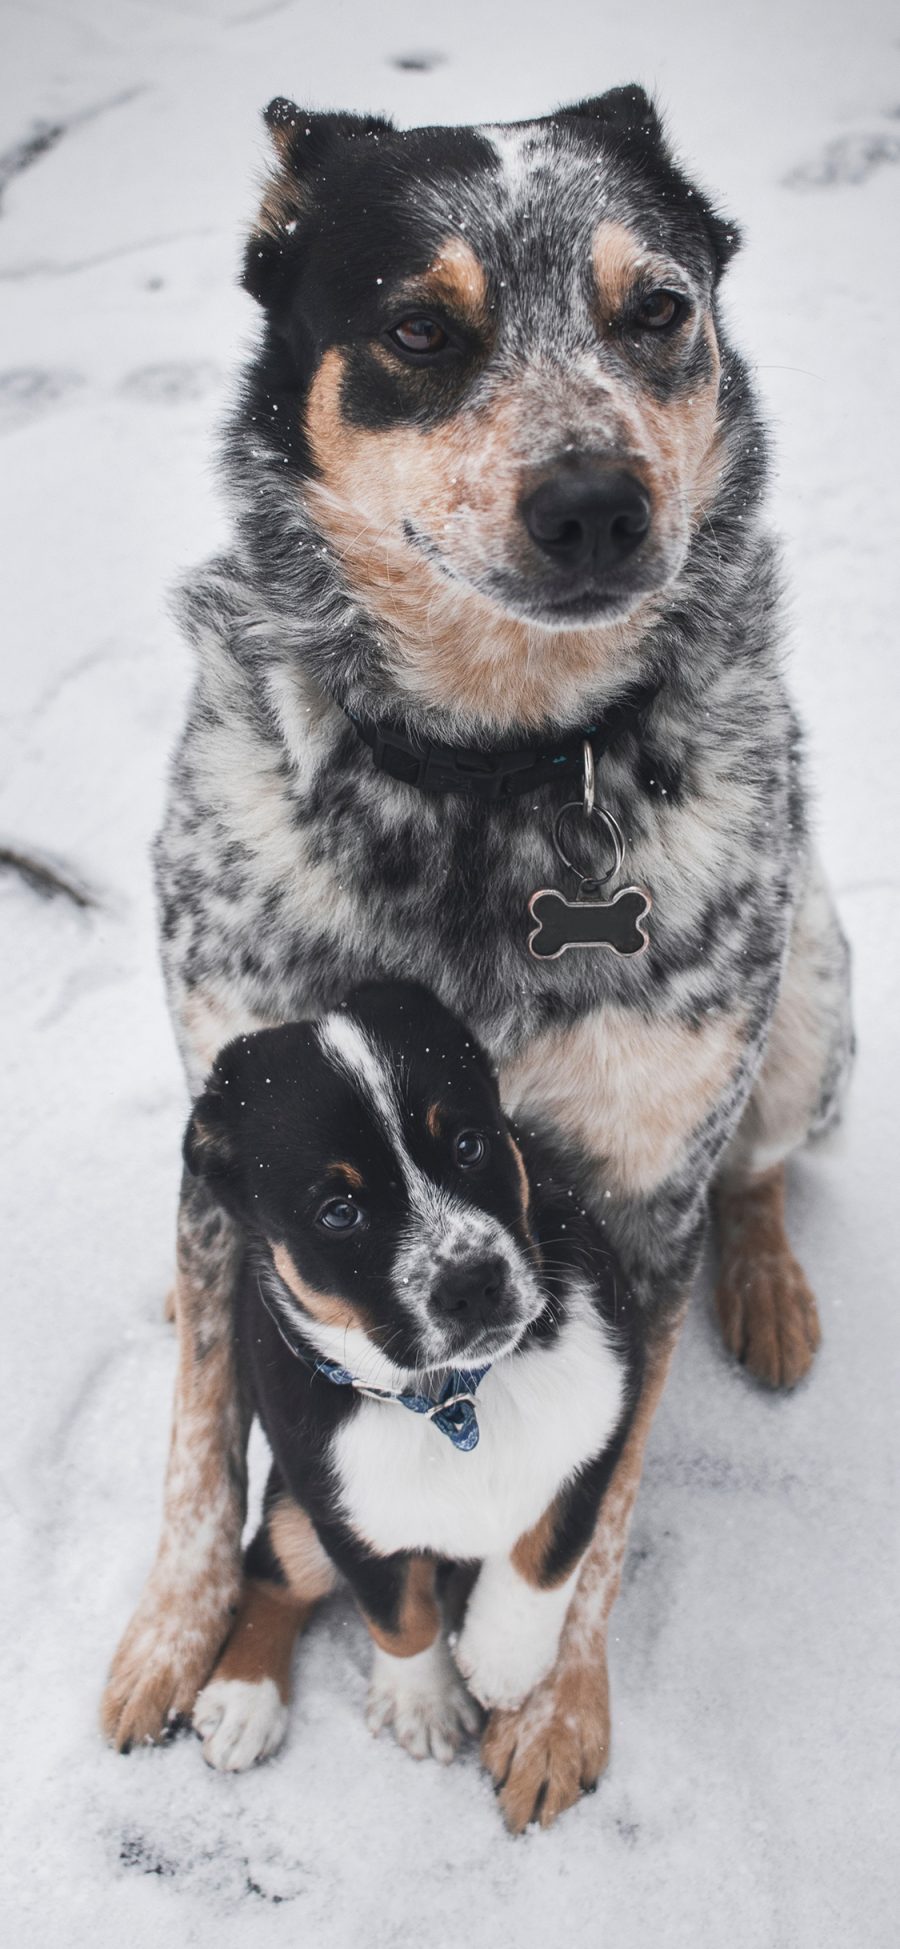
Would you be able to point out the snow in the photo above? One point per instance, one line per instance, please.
(754, 1670)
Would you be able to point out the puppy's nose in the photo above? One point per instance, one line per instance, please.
(588, 516)
(472, 1292)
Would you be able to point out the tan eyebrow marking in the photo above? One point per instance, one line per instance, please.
(456, 277)
(433, 1119)
(618, 255)
(346, 1171)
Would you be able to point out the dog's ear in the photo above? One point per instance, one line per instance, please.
(303, 137)
(628, 111)
(632, 118)
(303, 140)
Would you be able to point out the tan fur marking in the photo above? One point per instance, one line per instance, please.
(683, 436)
(326, 1307)
(680, 436)
(588, 1080)
(524, 1186)
(618, 255)
(448, 645)
(766, 1310)
(349, 1174)
(546, 1753)
(309, 1571)
(419, 1620)
(262, 1642)
(459, 280)
(532, 1550)
(433, 1119)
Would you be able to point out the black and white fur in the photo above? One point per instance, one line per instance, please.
(368, 1161)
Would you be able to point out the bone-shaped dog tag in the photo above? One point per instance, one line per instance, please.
(561, 923)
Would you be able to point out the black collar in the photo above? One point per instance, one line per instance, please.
(505, 773)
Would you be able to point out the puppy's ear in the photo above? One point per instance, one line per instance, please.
(211, 1149)
(303, 140)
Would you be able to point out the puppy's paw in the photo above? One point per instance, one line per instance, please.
(240, 1722)
(423, 1700)
(510, 1637)
(502, 1671)
(545, 1755)
(768, 1315)
(168, 1650)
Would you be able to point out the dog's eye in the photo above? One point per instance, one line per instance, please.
(471, 1149)
(419, 335)
(339, 1215)
(660, 310)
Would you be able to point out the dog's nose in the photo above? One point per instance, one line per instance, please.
(588, 516)
(472, 1292)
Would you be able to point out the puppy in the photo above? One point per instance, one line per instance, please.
(442, 1352)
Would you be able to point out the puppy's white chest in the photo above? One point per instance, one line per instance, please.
(541, 1415)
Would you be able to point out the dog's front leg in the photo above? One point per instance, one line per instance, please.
(186, 1609)
(414, 1689)
(510, 1637)
(518, 1607)
(545, 1753)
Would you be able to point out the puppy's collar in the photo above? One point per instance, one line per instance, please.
(504, 773)
(453, 1411)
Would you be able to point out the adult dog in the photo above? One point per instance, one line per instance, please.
(498, 480)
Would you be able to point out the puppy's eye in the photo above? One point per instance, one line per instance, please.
(339, 1215)
(660, 311)
(471, 1149)
(419, 335)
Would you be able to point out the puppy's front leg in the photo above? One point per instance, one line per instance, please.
(510, 1637)
(517, 1610)
(415, 1689)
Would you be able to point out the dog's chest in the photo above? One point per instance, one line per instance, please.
(541, 1416)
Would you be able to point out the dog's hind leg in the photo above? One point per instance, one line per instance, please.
(189, 1600)
(766, 1309)
(553, 1748)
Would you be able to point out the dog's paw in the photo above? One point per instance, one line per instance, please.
(552, 1749)
(502, 1670)
(768, 1316)
(240, 1722)
(163, 1659)
(423, 1700)
(510, 1637)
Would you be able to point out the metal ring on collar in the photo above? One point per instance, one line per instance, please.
(610, 824)
(590, 777)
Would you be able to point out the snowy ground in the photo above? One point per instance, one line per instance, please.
(750, 1800)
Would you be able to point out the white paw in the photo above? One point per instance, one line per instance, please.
(510, 1637)
(239, 1721)
(423, 1700)
(501, 1675)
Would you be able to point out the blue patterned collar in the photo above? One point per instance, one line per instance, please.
(453, 1411)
